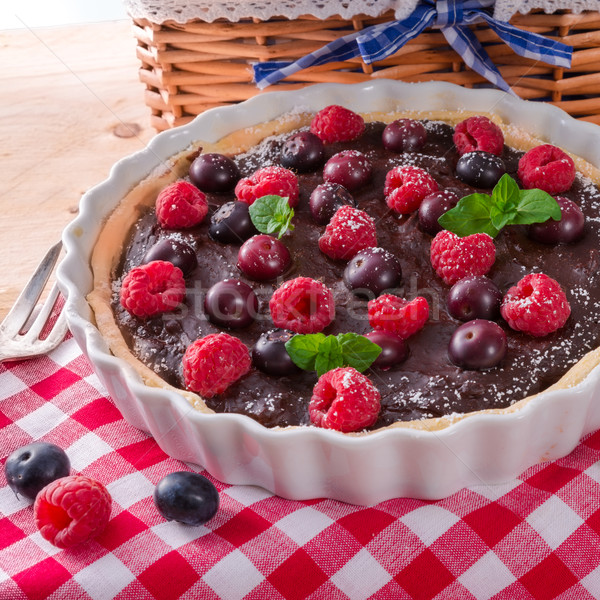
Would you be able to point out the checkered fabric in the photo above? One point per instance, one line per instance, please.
(452, 17)
(535, 537)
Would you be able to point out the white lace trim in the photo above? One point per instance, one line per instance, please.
(159, 11)
(180, 11)
(505, 9)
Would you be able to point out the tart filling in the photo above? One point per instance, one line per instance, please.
(426, 389)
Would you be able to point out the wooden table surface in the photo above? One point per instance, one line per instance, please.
(71, 105)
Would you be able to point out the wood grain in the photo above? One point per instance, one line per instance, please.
(71, 105)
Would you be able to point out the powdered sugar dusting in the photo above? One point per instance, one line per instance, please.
(423, 386)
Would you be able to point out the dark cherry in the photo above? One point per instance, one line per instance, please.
(474, 298)
(231, 223)
(433, 207)
(231, 303)
(480, 169)
(179, 253)
(270, 356)
(349, 168)
(263, 258)
(302, 152)
(404, 135)
(372, 271)
(393, 349)
(33, 467)
(186, 497)
(477, 345)
(214, 173)
(326, 198)
(569, 229)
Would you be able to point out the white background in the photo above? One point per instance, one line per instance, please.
(18, 14)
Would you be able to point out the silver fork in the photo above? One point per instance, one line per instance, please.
(19, 333)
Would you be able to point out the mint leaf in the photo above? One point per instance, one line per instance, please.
(303, 349)
(329, 356)
(506, 194)
(321, 353)
(472, 214)
(272, 215)
(536, 206)
(283, 215)
(358, 351)
(508, 205)
(505, 200)
(498, 218)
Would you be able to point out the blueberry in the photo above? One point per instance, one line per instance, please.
(186, 497)
(404, 135)
(372, 271)
(477, 345)
(474, 298)
(231, 223)
(393, 348)
(480, 169)
(326, 198)
(569, 229)
(302, 152)
(214, 173)
(270, 355)
(33, 467)
(231, 303)
(180, 254)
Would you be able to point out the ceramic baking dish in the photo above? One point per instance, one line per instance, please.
(306, 462)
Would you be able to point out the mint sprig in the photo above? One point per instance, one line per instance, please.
(321, 353)
(272, 214)
(508, 205)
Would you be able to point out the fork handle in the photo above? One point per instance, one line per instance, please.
(27, 300)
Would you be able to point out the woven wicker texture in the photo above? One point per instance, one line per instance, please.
(195, 66)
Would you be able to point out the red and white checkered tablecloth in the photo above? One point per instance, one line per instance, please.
(535, 537)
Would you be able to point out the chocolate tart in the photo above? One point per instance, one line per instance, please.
(426, 395)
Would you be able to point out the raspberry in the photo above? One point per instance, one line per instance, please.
(337, 124)
(454, 258)
(71, 510)
(349, 231)
(153, 288)
(406, 186)
(478, 133)
(181, 205)
(212, 363)
(536, 305)
(267, 181)
(397, 315)
(303, 305)
(547, 168)
(345, 400)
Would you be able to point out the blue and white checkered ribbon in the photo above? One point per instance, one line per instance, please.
(452, 17)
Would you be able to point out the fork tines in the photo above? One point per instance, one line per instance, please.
(19, 333)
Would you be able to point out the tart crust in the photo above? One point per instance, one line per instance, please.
(115, 231)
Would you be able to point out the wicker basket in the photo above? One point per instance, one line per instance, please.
(192, 67)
